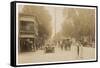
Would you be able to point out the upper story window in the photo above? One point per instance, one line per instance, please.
(27, 26)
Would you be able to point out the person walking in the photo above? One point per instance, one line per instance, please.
(79, 49)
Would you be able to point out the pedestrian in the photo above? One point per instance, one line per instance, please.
(66, 44)
(69, 44)
(79, 49)
(63, 45)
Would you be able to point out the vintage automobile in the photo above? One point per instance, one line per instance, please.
(49, 48)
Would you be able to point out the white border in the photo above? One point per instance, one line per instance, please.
(54, 5)
(51, 6)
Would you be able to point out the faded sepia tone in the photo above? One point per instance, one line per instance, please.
(51, 34)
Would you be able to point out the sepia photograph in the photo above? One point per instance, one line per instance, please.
(50, 33)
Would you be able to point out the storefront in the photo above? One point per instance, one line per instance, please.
(28, 32)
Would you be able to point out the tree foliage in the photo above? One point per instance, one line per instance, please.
(79, 22)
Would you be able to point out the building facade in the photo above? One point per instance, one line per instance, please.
(28, 32)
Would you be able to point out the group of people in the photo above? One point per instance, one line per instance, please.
(65, 44)
(50, 45)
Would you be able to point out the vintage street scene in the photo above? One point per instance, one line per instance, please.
(54, 33)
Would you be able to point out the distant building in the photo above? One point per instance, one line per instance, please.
(28, 32)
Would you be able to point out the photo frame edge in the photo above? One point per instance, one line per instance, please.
(13, 33)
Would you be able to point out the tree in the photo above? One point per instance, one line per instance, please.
(79, 22)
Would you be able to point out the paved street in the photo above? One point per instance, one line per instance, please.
(58, 55)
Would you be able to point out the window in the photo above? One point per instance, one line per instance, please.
(27, 26)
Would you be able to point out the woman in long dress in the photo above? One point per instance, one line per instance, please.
(79, 49)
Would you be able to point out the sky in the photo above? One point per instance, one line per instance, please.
(57, 18)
